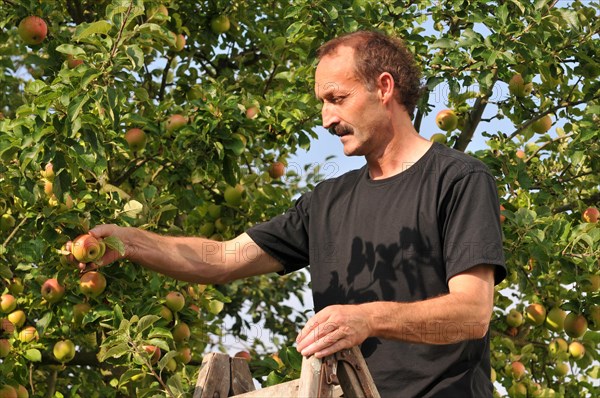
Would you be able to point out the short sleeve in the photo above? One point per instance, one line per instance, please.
(471, 225)
(285, 237)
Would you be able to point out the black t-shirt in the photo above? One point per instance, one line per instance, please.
(399, 239)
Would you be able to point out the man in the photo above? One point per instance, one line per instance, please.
(403, 253)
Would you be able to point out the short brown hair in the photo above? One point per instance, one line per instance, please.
(375, 53)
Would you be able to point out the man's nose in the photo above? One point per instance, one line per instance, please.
(329, 115)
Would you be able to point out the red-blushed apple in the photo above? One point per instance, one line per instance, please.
(514, 318)
(79, 312)
(136, 138)
(518, 87)
(86, 248)
(178, 42)
(555, 319)
(175, 301)
(175, 122)
(153, 351)
(520, 154)
(536, 314)
(220, 24)
(184, 355)
(502, 216)
(73, 63)
(517, 370)
(233, 195)
(5, 347)
(48, 172)
(575, 325)
(181, 332)
(276, 170)
(64, 351)
(244, 355)
(92, 284)
(22, 392)
(48, 187)
(8, 303)
(6, 326)
(33, 30)
(52, 291)
(166, 313)
(7, 391)
(591, 215)
(542, 124)
(557, 346)
(28, 334)
(561, 369)
(576, 350)
(7, 222)
(252, 112)
(17, 318)
(446, 120)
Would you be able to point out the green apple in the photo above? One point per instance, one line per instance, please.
(518, 87)
(214, 210)
(22, 392)
(92, 284)
(591, 215)
(175, 301)
(514, 318)
(7, 222)
(33, 30)
(52, 291)
(439, 138)
(79, 311)
(577, 350)
(594, 317)
(136, 138)
(555, 319)
(557, 346)
(220, 24)
(166, 313)
(446, 120)
(184, 355)
(181, 332)
(233, 195)
(17, 318)
(518, 390)
(561, 369)
(16, 286)
(536, 314)
(575, 325)
(5, 347)
(28, 334)
(86, 248)
(64, 351)
(8, 303)
(207, 229)
(542, 124)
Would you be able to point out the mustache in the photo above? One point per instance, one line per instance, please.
(338, 129)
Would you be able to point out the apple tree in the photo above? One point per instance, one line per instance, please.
(177, 117)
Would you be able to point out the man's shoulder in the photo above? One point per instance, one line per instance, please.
(349, 178)
(458, 162)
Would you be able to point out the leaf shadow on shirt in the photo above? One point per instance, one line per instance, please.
(380, 273)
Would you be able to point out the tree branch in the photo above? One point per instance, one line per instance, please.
(592, 200)
(165, 75)
(120, 34)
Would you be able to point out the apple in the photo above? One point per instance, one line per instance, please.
(153, 351)
(7, 221)
(214, 210)
(520, 154)
(493, 375)
(5, 347)
(555, 319)
(557, 346)
(175, 301)
(48, 172)
(577, 350)
(92, 283)
(518, 87)
(591, 284)
(252, 112)
(517, 370)
(178, 42)
(181, 332)
(536, 314)
(79, 311)
(244, 355)
(86, 248)
(561, 369)
(175, 122)
(207, 229)
(73, 63)
(595, 317)
(17, 318)
(22, 392)
(7, 391)
(233, 195)
(7, 326)
(166, 313)
(16, 286)
(67, 260)
(220, 24)
(33, 30)
(575, 325)
(502, 216)
(136, 138)
(591, 215)
(514, 318)
(8, 303)
(64, 351)
(542, 124)
(446, 120)
(28, 334)
(439, 138)
(158, 13)
(52, 291)
(276, 170)
(184, 355)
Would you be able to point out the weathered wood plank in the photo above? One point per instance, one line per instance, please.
(214, 376)
(349, 381)
(241, 378)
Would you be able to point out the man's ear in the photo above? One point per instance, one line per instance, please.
(385, 87)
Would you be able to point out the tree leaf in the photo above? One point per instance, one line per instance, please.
(114, 243)
(85, 30)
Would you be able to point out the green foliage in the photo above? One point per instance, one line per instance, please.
(132, 76)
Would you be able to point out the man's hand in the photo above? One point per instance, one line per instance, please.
(333, 329)
(110, 256)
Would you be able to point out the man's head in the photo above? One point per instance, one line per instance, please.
(376, 53)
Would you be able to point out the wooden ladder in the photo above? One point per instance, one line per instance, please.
(344, 374)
